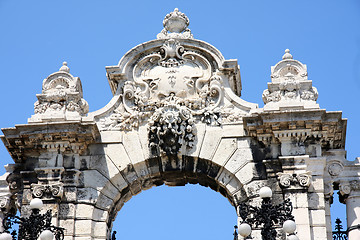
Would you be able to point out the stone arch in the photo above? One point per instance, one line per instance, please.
(168, 170)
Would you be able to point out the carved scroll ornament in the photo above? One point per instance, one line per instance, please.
(302, 179)
(48, 191)
(4, 202)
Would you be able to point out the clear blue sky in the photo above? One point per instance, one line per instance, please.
(37, 36)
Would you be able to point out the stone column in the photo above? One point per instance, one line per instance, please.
(351, 193)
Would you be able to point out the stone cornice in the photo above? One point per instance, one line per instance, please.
(31, 139)
(272, 126)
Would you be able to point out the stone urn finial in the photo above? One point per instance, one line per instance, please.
(64, 68)
(287, 55)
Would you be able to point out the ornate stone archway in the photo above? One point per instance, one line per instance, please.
(176, 117)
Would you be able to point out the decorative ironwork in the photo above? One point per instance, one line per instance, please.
(30, 228)
(235, 233)
(339, 234)
(113, 237)
(266, 216)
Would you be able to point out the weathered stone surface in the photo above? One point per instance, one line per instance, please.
(226, 148)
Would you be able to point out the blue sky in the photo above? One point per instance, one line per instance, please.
(37, 36)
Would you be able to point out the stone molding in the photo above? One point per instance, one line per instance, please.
(6, 194)
(49, 174)
(335, 168)
(72, 137)
(327, 126)
(4, 203)
(170, 85)
(342, 173)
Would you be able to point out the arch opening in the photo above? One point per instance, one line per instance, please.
(186, 212)
(175, 171)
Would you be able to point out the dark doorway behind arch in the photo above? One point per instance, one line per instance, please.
(176, 213)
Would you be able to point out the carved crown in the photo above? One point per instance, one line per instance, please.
(176, 21)
(175, 26)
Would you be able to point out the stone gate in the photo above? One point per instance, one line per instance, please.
(177, 117)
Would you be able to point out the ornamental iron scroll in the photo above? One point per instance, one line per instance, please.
(30, 228)
(339, 234)
(266, 216)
